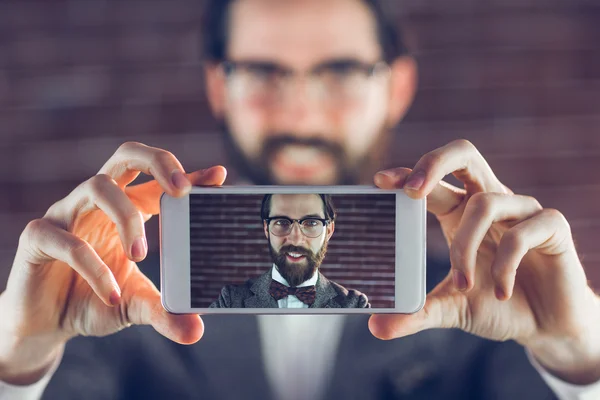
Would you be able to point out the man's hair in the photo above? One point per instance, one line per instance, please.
(328, 207)
(215, 31)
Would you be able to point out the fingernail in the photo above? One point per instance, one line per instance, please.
(415, 181)
(179, 180)
(138, 248)
(460, 281)
(115, 296)
(500, 295)
(389, 173)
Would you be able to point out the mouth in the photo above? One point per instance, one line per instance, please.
(302, 162)
(295, 257)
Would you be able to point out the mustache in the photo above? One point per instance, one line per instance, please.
(278, 141)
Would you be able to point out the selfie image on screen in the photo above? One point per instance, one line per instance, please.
(292, 250)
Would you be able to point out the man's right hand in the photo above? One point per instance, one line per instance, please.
(74, 272)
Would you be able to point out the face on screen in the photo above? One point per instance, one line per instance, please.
(297, 248)
(238, 243)
(304, 95)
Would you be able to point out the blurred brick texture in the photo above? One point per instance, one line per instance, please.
(519, 78)
(228, 245)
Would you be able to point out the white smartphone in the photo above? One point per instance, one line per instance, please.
(292, 250)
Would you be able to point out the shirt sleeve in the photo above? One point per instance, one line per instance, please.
(28, 392)
(563, 390)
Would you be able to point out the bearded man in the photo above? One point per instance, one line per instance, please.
(298, 228)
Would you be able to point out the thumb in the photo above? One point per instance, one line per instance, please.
(443, 198)
(146, 196)
(444, 308)
(145, 308)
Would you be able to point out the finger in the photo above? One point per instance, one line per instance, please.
(102, 192)
(439, 311)
(548, 231)
(459, 158)
(42, 242)
(481, 211)
(145, 308)
(146, 196)
(443, 198)
(131, 158)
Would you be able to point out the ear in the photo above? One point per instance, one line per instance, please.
(330, 229)
(215, 88)
(266, 229)
(403, 86)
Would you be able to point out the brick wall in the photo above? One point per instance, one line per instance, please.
(520, 79)
(228, 245)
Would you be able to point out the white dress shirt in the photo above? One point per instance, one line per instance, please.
(300, 346)
(309, 343)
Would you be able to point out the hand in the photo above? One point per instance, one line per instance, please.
(74, 271)
(515, 271)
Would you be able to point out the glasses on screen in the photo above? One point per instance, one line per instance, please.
(270, 84)
(310, 227)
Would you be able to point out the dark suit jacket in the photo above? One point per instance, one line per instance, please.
(226, 364)
(255, 294)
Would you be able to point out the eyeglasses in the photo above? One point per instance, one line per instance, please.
(269, 83)
(310, 227)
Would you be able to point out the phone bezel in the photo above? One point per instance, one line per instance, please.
(174, 229)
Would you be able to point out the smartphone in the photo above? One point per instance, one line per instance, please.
(292, 250)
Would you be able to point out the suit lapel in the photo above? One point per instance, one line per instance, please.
(260, 293)
(401, 366)
(325, 294)
(230, 350)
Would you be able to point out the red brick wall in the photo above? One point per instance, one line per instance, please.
(520, 79)
(228, 245)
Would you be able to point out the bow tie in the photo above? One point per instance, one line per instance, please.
(305, 294)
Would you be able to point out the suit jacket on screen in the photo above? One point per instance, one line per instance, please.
(226, 364)
(255, 294)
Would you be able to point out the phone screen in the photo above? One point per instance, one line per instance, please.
(293, 250)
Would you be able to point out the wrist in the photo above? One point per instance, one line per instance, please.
(21, 373)
(576, 358)
(25, 359)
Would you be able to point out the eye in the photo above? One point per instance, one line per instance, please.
(342, 71)
(311, 223)
(264, 74)
(282, 222)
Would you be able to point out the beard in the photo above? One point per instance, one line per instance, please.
(296, 273)
(258, 169)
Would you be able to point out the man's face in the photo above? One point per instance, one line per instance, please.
(296, 255)
(304, 100)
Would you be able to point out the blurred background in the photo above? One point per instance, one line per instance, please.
(519, 78)
(228, 245)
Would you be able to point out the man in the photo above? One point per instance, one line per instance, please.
(298, 228)
(308, 90)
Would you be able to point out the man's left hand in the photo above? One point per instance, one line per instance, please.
(515, 270)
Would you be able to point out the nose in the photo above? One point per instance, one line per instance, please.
(295, 237)
(300, 111)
